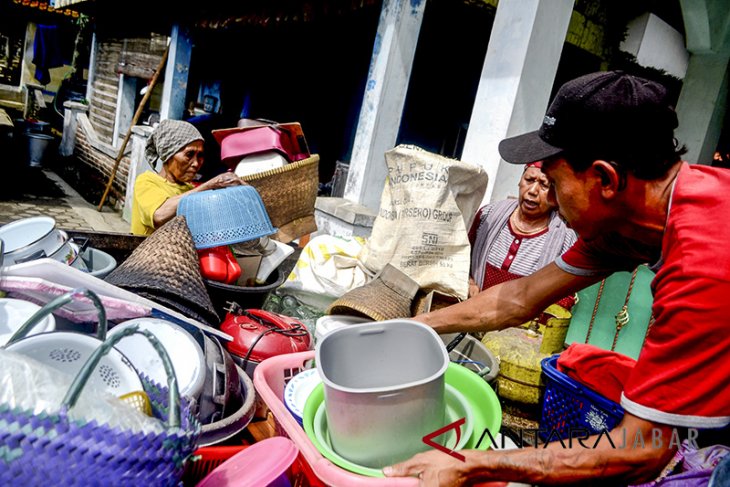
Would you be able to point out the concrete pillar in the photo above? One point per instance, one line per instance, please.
(702, 105)
(176, 74)
(92, 67)
(71, 110)
(519, 68)
(137, 165)
(385, 93)
(657, 44)
(702, 102)
(126, 95)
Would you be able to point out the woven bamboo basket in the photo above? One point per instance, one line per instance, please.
(289, 194)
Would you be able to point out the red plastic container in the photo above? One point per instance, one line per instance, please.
(219, 264)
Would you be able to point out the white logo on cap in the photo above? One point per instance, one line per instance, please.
(548, 120)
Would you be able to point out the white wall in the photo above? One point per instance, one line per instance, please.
(656, 44)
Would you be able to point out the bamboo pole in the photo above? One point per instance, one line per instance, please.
(137, 114)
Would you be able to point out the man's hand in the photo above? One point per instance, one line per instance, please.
(618, 461)
(433, 468)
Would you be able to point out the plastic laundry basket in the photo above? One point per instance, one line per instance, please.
(225, 216)
(569, 406)
(270, 378)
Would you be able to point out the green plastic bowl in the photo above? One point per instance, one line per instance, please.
(486, 413)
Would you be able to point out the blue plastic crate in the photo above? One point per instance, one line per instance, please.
(569, 406)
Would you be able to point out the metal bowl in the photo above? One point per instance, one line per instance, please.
(31, 238)
(233, 424)
(15, 312)
(221, 395)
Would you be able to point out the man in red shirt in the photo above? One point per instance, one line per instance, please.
(609, 150)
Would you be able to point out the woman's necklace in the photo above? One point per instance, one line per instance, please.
(516, 226)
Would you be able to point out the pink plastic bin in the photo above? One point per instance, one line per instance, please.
(269, 379)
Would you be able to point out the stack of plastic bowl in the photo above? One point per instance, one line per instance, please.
(330, 468)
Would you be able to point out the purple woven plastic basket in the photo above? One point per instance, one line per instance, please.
(51, 449)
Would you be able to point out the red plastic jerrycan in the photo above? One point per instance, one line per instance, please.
(219, 264)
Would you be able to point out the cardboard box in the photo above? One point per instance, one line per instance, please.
(249, 267)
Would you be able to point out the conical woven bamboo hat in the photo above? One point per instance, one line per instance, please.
(165, 268)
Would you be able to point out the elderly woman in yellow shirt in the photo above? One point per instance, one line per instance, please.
(156, 196)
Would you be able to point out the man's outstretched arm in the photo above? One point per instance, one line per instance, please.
(624, 459)
(508, 304)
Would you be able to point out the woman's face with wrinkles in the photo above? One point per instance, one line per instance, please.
(534, 189)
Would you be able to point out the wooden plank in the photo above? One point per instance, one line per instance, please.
(112, 81)
(104, 98)
(108, 96)
(101, 122)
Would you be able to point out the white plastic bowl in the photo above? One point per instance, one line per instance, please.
(256, 163)
(297, 391)
(185, 353)
(67, 352)
(15, 312)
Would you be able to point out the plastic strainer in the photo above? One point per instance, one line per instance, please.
(225, 216)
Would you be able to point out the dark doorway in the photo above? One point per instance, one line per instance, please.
(312, 72)
(451, 48)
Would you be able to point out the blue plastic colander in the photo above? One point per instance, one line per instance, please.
(225, 216)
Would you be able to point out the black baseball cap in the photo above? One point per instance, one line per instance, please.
(608, 113)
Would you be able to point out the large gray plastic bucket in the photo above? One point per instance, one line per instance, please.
(384, 389)
(37, 148)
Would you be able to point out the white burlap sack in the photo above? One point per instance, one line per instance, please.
(426, 209)
(326, 269)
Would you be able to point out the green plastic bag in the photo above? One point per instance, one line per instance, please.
(601, 330)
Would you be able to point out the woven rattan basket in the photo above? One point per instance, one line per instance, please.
(289, 194)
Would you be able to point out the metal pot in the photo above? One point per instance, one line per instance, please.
(31, 238)
(70, 253)
(234, 423)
